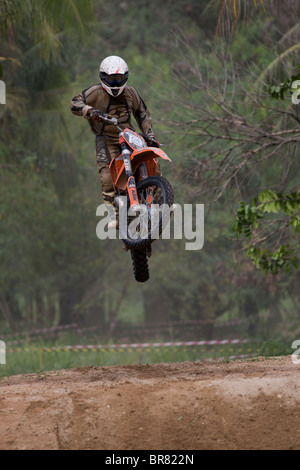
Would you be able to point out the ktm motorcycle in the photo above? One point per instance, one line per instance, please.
(139, 190)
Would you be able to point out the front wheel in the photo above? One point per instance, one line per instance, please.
(155, 195)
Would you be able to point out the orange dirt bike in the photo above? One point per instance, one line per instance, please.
(134, 176)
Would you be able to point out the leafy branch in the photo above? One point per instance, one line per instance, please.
(252, 222)
(278, 91)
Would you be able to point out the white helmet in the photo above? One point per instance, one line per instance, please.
(113, 75)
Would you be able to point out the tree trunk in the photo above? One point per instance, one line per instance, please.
(4, 307)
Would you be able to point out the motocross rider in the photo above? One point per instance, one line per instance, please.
(115, 97)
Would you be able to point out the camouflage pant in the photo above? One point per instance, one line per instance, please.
(106, 150)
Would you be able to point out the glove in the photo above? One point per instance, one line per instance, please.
(97, 115)
(155, 143)
(151, 140)
(100, 116)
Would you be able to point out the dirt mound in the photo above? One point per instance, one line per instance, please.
(249, 404)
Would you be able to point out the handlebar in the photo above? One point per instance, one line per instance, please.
(100, 116)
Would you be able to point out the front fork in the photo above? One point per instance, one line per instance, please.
(131, 186)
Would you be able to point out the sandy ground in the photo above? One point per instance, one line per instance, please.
(249, 404)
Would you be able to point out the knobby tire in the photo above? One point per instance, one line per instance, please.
(140, 264)
(166, 197)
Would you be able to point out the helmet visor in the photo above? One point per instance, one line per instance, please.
(115, 79)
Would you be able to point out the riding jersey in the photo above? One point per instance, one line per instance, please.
(120, 107)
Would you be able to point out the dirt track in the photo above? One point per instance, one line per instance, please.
(249, 404)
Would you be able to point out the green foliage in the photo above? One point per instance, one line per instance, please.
(247, 217)
(247, 222)
(284, 88)
(44, 19)
(273, 262)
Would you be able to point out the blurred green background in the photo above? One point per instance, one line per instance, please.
(204, 69)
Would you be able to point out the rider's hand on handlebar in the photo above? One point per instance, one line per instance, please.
(153, 142)
(96, 114)
(100, 116)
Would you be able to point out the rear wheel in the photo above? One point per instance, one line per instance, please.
(140, 264)
(155, 195)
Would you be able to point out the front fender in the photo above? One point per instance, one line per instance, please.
(137, 157)
(150, 150)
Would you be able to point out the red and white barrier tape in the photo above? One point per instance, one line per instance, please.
(100, 347)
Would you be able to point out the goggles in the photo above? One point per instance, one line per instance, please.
(115, 79)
